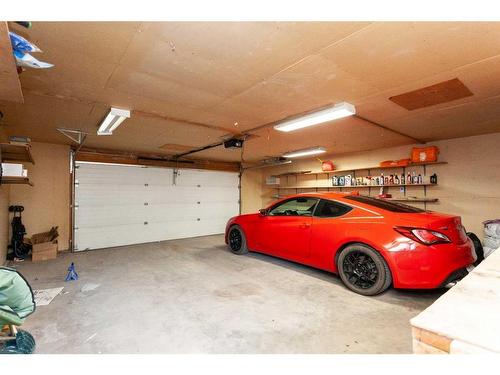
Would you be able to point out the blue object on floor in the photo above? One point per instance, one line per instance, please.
(72, 275)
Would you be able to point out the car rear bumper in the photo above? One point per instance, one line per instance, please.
(428, 267)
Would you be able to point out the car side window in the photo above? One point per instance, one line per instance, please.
(331, 209)
(301, 206)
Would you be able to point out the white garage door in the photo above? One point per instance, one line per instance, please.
(118, 205)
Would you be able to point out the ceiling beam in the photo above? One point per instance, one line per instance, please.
(148, 159)
(389, 129)
(135, 112)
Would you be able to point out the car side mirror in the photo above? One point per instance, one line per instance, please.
(263, 211)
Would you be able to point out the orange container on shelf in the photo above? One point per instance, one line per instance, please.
(394, 163)
(424, 154)
(388, 163)
(327, 166)
(403, 162)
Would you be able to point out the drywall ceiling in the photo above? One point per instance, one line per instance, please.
(10, 88)
(190, 84)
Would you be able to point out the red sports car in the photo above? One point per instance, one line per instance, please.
(371, 243)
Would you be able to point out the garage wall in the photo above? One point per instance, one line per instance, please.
(4, 222)
(467, 185)
(251, 191)
(4, 215)
(46, 204)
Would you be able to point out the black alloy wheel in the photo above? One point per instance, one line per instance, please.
(363, 270)
(360, 269)
(237, 241)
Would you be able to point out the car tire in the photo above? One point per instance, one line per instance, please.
(237, 241)
(363, 270)
(478, 248)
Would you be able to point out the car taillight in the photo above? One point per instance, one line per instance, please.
(424, 236)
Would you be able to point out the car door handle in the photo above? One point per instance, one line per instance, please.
(305, 225)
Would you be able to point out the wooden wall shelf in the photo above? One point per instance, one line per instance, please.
(350, 187)
(15, 153)
(402, 199)
(415, 200)
(359, 169)
(15, 180)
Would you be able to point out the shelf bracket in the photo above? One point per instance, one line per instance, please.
(77, 136)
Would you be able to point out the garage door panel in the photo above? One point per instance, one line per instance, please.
(207, 178)
(103, 237)
(109, 195)
(123, 205)
(96, 216)
(98, 174)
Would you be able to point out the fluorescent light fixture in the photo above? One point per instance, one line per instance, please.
(115, 117)
(339, 110)
(305, 152)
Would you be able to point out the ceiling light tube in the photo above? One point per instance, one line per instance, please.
(115, 117)
(339, 110)
(305, 152)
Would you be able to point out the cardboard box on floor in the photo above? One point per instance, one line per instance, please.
(44, 245)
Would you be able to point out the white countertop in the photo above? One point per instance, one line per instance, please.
(470, 311)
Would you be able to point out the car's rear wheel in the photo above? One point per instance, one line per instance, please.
(363, 270)
(237, 241)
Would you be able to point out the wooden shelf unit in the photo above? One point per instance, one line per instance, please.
(16, 180)
(416, 200)
(301, 173)
(406, 199)
(17, 154)
(350, 187)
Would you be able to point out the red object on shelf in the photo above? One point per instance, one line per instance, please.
(385, 195)
(327, 166)
(389, 163)
(403, 162)
(424, 154)
(395, 163)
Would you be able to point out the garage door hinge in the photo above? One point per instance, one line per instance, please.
(76, 228)
(77, 205)
(198, 185)
(198, 219)
(146, 184)
(145, 223)
(146, 203)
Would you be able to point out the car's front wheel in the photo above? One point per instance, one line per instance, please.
(237, 241)
(363, 270)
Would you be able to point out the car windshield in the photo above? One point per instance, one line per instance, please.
(385, 205)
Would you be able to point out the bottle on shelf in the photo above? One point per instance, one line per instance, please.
(381, 178)
(408, 178)
(434, 179)
(420, 179)
(402, 178)
(396, 179)
(391, 180)
(414, 178)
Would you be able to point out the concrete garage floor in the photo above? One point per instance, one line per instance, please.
(194, 296)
